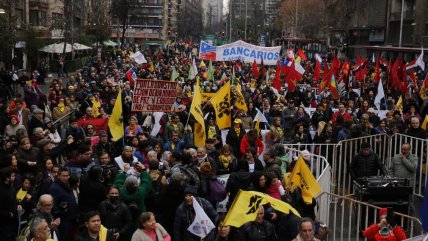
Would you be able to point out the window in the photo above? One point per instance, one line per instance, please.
(56, 20)
(34, 17)
(43, 18)
(19, 17)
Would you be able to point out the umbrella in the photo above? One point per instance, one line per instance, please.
(107, 43)
(59, 48)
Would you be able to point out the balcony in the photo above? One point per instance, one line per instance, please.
(39, 4)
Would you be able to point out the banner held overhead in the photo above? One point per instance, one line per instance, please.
(154, 95)
(240, 50)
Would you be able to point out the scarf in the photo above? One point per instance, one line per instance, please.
(132, 128)
(224, 161)
(237, 130)
(61, 107)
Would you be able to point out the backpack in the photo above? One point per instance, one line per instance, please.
(217, 192)
(192, 177)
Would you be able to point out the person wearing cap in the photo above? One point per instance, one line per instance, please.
(36, 120)
(185, 215)
(211, 128)
(10, 130)
(21, 111)
(386, 230)
(366, 163)
(234, 136)
(75, 131)
(33, 95)
(60, 110)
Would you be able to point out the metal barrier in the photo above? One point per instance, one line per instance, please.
(348, 218)
(322, 171)
(345, 151)
(420, 149)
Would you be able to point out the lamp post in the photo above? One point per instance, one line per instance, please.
(2, 11)
(401, 24)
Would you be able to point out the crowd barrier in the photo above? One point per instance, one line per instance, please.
(322, 172)
(348, 218)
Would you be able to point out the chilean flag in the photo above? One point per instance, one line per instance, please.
(131, 75)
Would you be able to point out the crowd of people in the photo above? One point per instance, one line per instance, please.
(69, 187)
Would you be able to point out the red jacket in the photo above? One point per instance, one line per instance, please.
(372, 234)
(245, 144)
(346, 116)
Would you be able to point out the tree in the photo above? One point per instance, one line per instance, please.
(98, 12)
(8, 31)
(121, 12)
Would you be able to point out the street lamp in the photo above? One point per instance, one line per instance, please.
(2, 11)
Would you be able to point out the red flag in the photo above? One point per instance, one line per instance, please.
(377, 72)
(335, 65)
(277, 82)
(333, 87)
(291, 77)
(255, 69)
(262, 68)
(345, 68)
(426, 80)
(302, 54)
(325, 81)
(403, 77)
(326, 70)
(395, 81)
(317, 70)
(99, 124)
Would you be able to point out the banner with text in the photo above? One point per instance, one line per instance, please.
(154, 95)
(239, 50)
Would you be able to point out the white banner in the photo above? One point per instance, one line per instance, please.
(239, 50)
(202, 224)
(138, 57)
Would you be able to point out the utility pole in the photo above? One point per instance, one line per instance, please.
(246, 16)
(401, 24)
(297, 7)
(230, 21)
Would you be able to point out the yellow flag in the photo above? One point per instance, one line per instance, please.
(244, 207)
(206, 96)
(115, 122)
(423, 91)
(152, 67)
(239, 98)
(399, 104)
(221, 104)
(196, 111)
(96, 106)
(257, 125)
(302, 177)
(424, 124)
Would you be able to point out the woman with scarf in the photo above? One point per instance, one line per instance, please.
(149, 229)
(60, 110)
(133, 129)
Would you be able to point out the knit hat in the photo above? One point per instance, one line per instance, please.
(14, 117)
(192, 190)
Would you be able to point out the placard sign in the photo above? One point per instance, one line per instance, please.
(154, 95)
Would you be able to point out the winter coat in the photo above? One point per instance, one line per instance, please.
(232, 139)
(372, 234)
(115, 216)
(366, 166)
(404, 167)
(28, 155)
(253, 231)
(184, 217)
(245, 144)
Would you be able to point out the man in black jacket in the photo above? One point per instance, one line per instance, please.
(260, 229)
(94, 229)
(366, 163)
(8, 206)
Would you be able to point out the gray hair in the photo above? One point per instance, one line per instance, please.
(44, 198)
(37, 130)
(152, 153)
(35, 224)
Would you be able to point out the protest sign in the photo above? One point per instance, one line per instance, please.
(154, 95)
